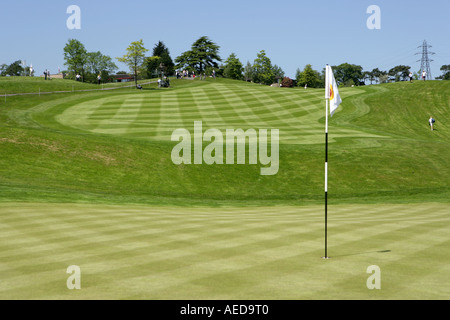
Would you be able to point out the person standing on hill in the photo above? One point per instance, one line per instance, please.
(410, 76)
(424, 75)
(431, 121)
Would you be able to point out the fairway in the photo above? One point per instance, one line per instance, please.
(134, 252)
(155, 115)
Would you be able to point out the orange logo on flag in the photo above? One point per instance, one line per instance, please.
(331, 92)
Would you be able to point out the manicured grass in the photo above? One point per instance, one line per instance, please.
(34, 85)
(87, 179)
(114, 147)
(135, 252)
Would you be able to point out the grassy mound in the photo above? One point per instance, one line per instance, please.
(114, 146)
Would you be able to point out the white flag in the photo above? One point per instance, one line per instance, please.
(331, 91)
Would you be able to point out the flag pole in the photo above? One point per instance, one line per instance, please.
(332, 101)
(327, 99)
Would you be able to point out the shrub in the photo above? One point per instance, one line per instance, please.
(287, 82)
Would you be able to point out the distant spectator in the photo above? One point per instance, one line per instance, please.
(424, 75)
(431, 121)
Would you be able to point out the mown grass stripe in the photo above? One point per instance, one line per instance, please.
(220, 106)
(242, 110)
(245, 252)
(206, 107)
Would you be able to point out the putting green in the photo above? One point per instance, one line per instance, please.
(136, 252)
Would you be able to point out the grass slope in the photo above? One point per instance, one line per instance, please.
(113, 147)
(36, 85)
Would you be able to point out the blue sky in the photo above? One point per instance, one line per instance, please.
(293, 33)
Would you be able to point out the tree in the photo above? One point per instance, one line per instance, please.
(160, 55)
(369, 75)
(15, 69)
(75, 55)
(376, 73)
(134, 57)
(399, 72)
(233, 68)
(262, 69)
(99, 64)
(203, 54)
(278, 72)
(152, 66)
(383, 77)
(248, 72)
(96, 63)
(186, 61)
(445, 72)
(160, 50)
(348, 74)
(87, 64)
(309, 77)
(3, 70)
(366, 76)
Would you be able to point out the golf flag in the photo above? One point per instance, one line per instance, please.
(331, 91)
(333, 99)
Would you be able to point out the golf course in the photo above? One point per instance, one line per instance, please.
(87, 179)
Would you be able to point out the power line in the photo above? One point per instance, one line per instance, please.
(425, 61)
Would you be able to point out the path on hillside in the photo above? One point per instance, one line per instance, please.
(70, 91)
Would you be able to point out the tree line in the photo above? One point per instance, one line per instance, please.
(86, 66)
(15, 69)
(203, 59)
